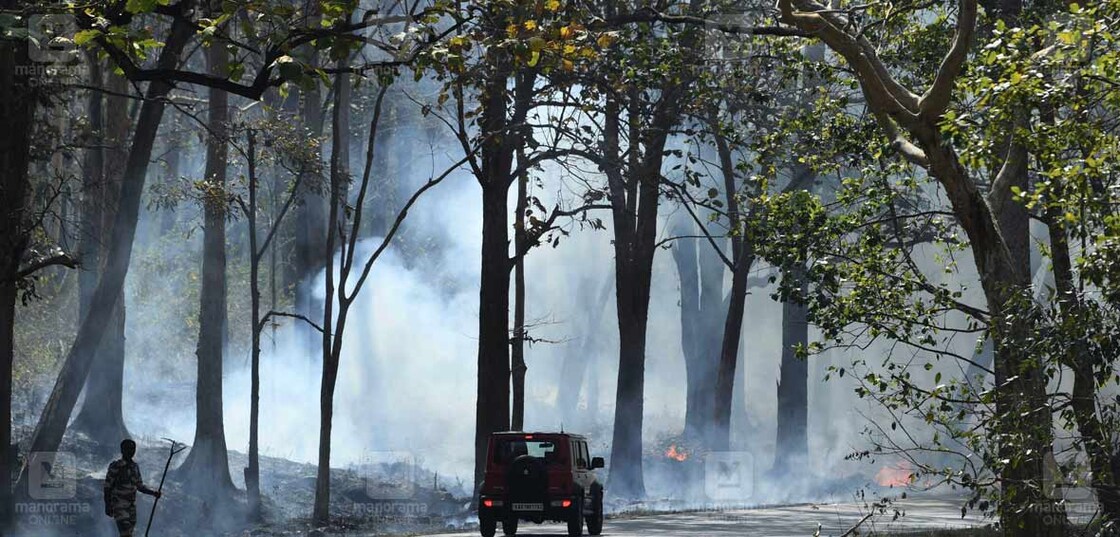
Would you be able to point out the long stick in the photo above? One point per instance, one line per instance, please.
(175, 449)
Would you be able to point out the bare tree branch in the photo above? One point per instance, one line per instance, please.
(1011, 170)
(532, 239)
(271, 314)
(62, 258)
(937, 97)
(882, 90)
(397, 224)
(899, 143)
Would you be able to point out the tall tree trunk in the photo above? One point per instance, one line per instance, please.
(252, 471)
(1096, 438)
(52, 422)
(634, 211)
(577, 371)
(102, 415)
(1103, 454)
(517, 343)
(792, 445)
(1022, 417)
(92, 233)
(742, 259)
(635, 245)
(1031, 413)
(492, 407)
(311, 214)
(207, 466)
(701, 288)
(332, 339)
(18, 103)
(378, 213)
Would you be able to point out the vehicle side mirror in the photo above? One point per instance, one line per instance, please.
(597, 462)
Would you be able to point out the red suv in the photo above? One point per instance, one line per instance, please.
(538, 477)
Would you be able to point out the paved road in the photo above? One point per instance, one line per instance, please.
(792, 521)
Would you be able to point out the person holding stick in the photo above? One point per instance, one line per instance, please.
(122, 481)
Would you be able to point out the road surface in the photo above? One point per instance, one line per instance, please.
(791, 521)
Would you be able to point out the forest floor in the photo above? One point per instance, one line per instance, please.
(359, 509)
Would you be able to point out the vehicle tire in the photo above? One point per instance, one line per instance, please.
(487, 525)
(575, 520)
(509, 526)
(595, 521)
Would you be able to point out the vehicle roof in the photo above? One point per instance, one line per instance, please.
(543, 433)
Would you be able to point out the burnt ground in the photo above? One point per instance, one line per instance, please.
(372, 501)
(378, 505)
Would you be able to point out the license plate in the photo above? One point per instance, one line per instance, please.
(528, 507)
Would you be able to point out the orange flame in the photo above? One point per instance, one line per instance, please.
(676, 454)
(898, 475)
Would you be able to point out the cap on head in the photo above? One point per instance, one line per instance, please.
(128, 448)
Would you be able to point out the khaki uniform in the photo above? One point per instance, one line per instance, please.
(122, 481)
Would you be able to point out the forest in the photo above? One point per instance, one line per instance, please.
(870, 248)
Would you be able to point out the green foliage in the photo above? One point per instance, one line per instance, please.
(872, 242)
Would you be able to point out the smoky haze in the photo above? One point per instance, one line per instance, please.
(406, 380)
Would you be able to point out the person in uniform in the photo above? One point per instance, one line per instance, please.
(122, 481)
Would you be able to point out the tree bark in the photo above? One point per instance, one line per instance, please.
(1096, 439)
(18, 103)
(311, 214)
(493, 406)
(1022, 412)
(701, 297)
(499, 142)
(792, 446)
(252, 472)
(1102, 453)
(378, 210)
(742, 259)
(207, 466)
(634, 200)
(332, 339)
(635, 245)
(52, 422)
(102, 415)
(93, 194)
(517, 342)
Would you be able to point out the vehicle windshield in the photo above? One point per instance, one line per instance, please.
(509, 449)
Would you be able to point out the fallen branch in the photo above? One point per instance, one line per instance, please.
(271, 314)
(852, 530)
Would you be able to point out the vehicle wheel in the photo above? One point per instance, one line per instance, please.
(509, 526)
(575, 520)
(595, 521)
(487, 525)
